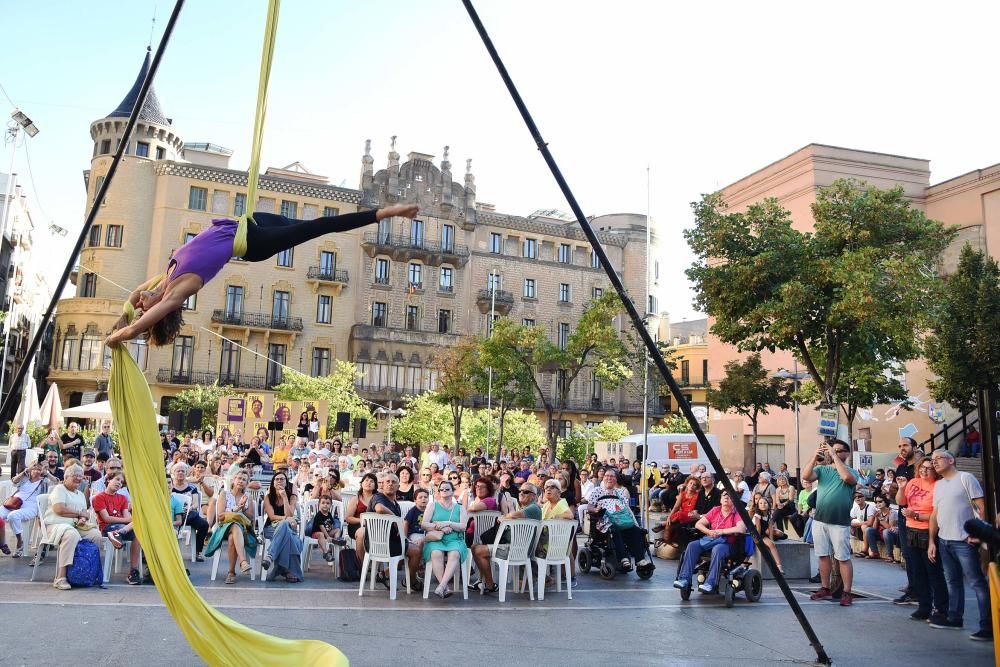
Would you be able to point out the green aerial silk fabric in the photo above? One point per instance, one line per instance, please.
(218, 639)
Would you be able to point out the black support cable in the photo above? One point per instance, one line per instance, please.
(637, 322)
(14, 394)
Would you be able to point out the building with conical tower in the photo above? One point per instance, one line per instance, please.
(388, 298)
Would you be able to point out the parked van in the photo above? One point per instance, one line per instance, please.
(664, 448)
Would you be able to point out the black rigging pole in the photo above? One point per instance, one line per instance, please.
(637, 322)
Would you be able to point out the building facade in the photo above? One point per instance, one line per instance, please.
(24, 286)
(388, 297)
(971, 201)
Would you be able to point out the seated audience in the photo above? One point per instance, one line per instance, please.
(281, 528)
(68, 522)
(721, 527)
(235, 515)
(114, 519)
(30, 483)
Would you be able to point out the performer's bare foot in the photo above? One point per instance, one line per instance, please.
(400, 210)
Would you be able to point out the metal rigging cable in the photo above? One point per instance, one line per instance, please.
(637, 322)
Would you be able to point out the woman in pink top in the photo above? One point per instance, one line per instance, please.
(195, 263)
(927, 584)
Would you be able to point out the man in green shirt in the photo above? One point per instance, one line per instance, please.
(832, 521)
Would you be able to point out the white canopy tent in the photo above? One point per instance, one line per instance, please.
(27, 411)
(99, 410)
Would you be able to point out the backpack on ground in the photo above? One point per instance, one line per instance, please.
(348, 568)
(86, 570)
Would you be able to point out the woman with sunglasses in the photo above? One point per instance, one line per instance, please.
(426, 480)
(285, 552)
(445, 520)
(357, 506)
(235, 529)
(916, 502)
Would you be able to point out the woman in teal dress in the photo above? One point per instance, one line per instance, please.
(444, 522)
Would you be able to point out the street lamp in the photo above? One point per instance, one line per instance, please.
(389, 412)
(795, 375)
(489, 386)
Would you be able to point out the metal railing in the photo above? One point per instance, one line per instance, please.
(240, 380)
(330, 275)
(409, 243)
(257, 320)
(500, 296)
(950, 431)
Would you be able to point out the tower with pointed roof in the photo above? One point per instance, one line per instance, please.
(153, 137)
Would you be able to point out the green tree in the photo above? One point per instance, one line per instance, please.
(964, 348)
(862, 285)
(577, 446)
(457, 373)
(748, 390)
(672, 423)
(427, 420)
(612, 430)
(502, 375)
(204, 398)
(337, 388)
(594, 345)
(522, 430)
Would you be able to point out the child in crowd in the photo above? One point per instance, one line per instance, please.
(325, 528)
(414, 533)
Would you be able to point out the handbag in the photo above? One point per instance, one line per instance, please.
(13, 503)
(623, 518)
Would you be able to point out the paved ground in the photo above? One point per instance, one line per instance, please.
(639, 623)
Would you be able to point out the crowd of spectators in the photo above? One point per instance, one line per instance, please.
(242, 496)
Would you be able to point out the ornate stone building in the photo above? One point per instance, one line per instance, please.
(387, 297)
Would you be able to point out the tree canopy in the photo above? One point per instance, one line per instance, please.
(749, 390)
(856, 289)
(964, 347)
(427, 420)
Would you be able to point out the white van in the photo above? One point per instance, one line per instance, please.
(664, 448)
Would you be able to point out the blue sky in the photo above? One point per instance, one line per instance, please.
(703, 94)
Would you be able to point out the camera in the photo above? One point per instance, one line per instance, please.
(984, 532)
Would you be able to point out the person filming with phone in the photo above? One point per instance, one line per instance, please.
(832, 522)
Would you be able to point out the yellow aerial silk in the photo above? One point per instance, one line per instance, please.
(215, 637)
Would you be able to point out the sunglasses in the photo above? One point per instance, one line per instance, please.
(530, 493)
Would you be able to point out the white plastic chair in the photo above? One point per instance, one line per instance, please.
(558, 554)
(461, 580)
(405, 506)
(483, 521)
(378, 528)
(519, 552)
(43, 539)
(111, 556)
(307, 510)
(185, 531)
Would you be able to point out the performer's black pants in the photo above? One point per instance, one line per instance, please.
(275, 233)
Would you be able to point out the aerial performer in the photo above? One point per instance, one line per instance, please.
(194, 264)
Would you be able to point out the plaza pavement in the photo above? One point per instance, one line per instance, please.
(625, 621)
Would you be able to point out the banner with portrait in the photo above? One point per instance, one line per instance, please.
(250, 414)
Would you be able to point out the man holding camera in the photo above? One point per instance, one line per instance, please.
(957, 496)
(832, 521)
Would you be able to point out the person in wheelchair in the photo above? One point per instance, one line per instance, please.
(611, 516)
(720, 527)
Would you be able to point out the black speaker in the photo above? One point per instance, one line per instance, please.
(343, 422)
(194, 418)
(360, 428)
(640, 453)
(176, 421)
(275, 426)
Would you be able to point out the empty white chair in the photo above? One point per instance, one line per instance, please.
(405, 506)
(378, 529)
(560, 534)
(516, 554)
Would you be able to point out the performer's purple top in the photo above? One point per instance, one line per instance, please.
(206, 253)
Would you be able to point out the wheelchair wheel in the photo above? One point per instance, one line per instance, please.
(686, 593)
(584, 560)
(645, 572)
(729, 592)
(607, 571)
(753, 585)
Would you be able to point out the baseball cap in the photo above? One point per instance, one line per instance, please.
(89, 452)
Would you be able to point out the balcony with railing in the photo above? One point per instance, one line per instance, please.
(256, 320)
(403, 248)
(501, 300)
(327, 277)
(417, 336)
(238, 380)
